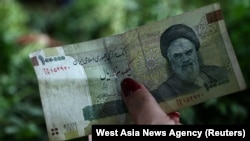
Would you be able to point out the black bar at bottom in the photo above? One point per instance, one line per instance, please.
(170, 132)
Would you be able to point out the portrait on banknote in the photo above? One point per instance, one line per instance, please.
(180, 46)
(183, 60)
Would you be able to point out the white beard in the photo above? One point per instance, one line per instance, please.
(188, 73)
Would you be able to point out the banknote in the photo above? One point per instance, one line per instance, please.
(183, 60)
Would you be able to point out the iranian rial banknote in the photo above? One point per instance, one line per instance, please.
(183, 60)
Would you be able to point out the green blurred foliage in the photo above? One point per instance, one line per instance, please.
(21, 115)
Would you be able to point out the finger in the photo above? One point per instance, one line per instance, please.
(141, 105)
(26, 39)
(175, 116)
(89, 137)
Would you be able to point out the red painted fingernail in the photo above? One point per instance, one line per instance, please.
(129, 85)
(174, 114)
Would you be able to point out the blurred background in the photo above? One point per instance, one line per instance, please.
(28, 25)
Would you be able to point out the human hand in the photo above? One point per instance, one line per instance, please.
(41, 38)
(142, 106)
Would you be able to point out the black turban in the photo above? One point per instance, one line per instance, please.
(174, 32)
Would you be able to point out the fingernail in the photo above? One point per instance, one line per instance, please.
(174, 114)
(128, 86)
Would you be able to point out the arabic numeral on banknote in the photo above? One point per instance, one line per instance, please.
(70, 126)
(183, 60)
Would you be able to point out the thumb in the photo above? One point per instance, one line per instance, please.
(141, 105)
